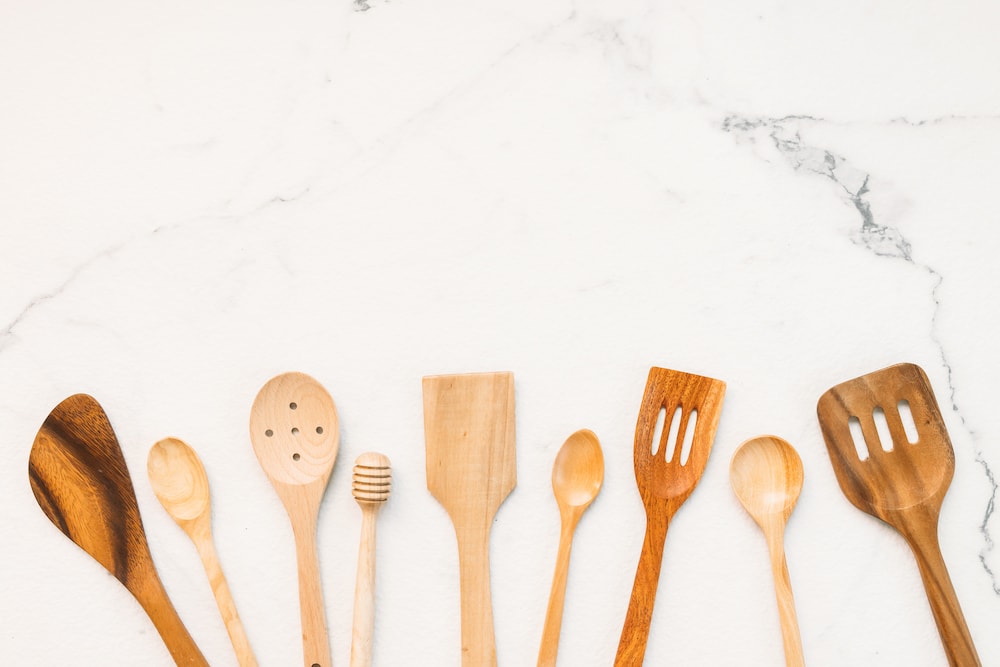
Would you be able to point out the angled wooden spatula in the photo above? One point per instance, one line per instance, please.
(78, 475)
(469, 434)
(900, 478)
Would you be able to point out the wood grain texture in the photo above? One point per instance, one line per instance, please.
(471, 469)
(371, 484)
(181, 485)
(766, 476)
(664, 483)
(296, 435)
(577, 476)
(905, 485)
(79, 478)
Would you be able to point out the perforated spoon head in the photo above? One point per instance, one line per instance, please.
(766, 475)
(295, 434)
(578, 471)
(179, 482)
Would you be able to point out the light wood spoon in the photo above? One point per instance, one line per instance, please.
(577, 475)
(79, 478)
(766, 474)
(370, 485)
(295, 434)
(181, 485)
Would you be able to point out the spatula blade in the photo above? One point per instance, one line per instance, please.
(469, 437)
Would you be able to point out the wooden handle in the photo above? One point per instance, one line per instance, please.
(478, 641)
(786, 603)
(948, 615)
(635, 633)
(557, 596)
(153, 598)
(364, 593)
(224, 600)
(315, 643)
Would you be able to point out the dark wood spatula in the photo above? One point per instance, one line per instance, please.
(900, 479)
(78, 475)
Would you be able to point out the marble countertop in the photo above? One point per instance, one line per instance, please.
(195, 197)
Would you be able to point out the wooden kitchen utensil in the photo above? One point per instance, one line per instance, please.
(766, 475)
(577, 475)
(181, 485)
(665, 480)
(900, 479)
(471, 468)
(79, 478)
(370, 485)
(296, 434)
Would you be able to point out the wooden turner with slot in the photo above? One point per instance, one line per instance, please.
(469, 434)
(902, 482)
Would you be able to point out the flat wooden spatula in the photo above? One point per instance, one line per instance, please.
(78, 475)
(469, 435)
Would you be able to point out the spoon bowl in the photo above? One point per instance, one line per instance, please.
(578, 471)
(766, 475)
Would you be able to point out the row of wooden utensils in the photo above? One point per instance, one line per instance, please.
(884, 434)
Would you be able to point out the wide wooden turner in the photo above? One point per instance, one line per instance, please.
(469, 436)
(78, 475)
(900, 478)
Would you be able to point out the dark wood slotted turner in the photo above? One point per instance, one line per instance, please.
(902, 484)
(78, 475)
(665, 482)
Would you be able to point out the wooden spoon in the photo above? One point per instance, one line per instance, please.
(900, 480)
(180, 483)
(79, 478)
(295, 434)
(766, 474)
(577, 475)
(469, 436)
(370, 485)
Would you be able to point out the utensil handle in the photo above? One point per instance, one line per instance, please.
(948, 615)
(364, 594)
(315, 643)
(635, 632)
(153, 598)
(790, 637)
(478, 642)
(557, 596)
(224, 600)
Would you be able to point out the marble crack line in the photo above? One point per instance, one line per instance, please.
(9, 334)
(882, 240)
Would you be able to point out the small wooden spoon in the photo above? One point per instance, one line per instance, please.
(577, 475)
(295, 434)
(180, 483)
(766, 474)
(370, 485)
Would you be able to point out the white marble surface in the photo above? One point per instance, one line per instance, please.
(195, 197)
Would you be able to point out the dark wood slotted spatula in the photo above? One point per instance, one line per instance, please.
(665, 480)
(902, 481)
(469, 435)
(78, 475)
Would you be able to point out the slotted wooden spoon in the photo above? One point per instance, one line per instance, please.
(901, 482)
(665, 482)
(78, 475)
(469, 437)
(295, 434)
